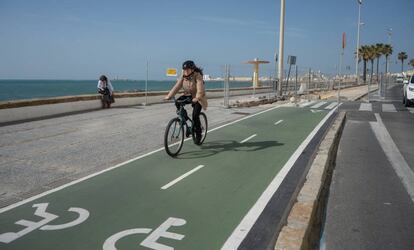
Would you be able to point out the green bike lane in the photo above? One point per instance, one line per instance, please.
(200, 211)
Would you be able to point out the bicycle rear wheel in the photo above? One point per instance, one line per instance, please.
(204, 127)
(174, 137)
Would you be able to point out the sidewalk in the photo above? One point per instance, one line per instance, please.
(348, 93)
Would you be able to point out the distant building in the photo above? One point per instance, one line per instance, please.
(241, 78)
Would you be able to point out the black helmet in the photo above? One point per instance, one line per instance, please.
(189, 65)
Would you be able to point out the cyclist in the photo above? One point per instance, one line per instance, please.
(191, 81)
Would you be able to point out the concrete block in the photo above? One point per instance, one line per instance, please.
(290, 239)
(309, 191)
(316, 175)
(300, 215)
(320, 159)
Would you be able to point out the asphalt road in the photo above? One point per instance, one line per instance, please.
(371, 200)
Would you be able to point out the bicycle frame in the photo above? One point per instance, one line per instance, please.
(181, 113)
(175, 133)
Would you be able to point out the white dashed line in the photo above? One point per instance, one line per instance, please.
(388, 108)
(248, 138)
(318, 105)
(302, 105)
(365, 107)
(278, 122)
(182, 177)
(332, 105)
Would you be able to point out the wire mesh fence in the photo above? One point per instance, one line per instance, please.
(243, 79)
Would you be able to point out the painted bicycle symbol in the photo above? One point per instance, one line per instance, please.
(151, 240)
(42, 224)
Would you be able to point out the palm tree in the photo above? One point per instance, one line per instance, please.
(412, 62)
(363, 54)
(379, 47)
(371, 54)
(402, 56)
(387, 51)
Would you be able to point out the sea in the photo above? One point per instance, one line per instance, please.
(30, 89)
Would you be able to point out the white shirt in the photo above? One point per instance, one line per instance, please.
(101, 85)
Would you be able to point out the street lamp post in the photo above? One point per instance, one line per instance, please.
(357, 48)
(389, 42)
(275, 82)
(281, 43)
(146, 87)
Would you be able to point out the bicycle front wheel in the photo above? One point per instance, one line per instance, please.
(174, 137)
(204, 127)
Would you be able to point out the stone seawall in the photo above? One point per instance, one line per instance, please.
(26, 110)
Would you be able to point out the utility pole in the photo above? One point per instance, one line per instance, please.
(357, 48)
(275, 82)
(146, 87)
(340, 67)
(281, 44)
(389, 42)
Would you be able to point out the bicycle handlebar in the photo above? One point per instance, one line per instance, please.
(184, 101)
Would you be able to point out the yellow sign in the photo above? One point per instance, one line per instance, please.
(171, 72)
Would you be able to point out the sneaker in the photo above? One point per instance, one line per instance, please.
(197, 140)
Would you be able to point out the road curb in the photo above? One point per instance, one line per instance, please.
(305, 218)
(364, 94)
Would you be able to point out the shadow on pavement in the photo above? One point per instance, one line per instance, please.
(213, 148)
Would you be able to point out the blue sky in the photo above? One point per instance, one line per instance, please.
(58, 39)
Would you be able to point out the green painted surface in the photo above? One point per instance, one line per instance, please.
(212, 200)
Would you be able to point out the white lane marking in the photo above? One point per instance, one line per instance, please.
(17, 204)
(250, 218)
(319, 104)
(332, 105)
(162, 232)
(388, 108)
(278, 122)
(365, 107)
(109, 243)
(316, 110)
(83, 215)
(304, 104)
(181, 177)
(411, 110)
(248, 138)
(394, 156)
(29, 226)
(151, 240)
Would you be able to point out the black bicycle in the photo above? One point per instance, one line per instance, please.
(180, 127)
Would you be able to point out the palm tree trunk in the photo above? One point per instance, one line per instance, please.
(364, 76)
(377, 68)
(402, 65)
(386, 64)
(372, 70)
